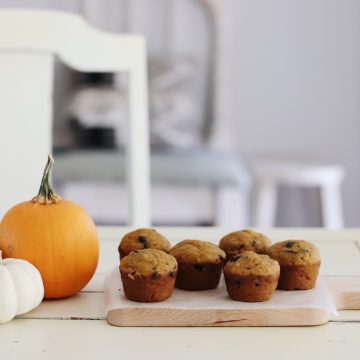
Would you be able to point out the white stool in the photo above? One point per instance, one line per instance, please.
(270, 174)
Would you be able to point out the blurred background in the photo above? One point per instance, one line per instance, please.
(254, 112)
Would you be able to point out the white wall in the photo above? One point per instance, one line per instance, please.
(295, 85)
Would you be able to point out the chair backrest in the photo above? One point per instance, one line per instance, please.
(29, 41)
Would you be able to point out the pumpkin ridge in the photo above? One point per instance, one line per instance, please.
(60, 240)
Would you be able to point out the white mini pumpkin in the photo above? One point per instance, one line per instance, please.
(21, 288)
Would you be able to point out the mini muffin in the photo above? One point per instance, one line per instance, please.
(142, 239)
(299, 261)
(251, 277)
(200, 264)
(148, 275)
(239, 241)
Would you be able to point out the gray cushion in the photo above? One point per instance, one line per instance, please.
(200, 167)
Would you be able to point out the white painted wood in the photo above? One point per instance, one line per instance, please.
(80, 306)
(331, 205)
(25, 123)
(265, 205)
(37, 36)
(231, 207)
(346, 316)
(194, 204)
(338, 259)
(221, 136)
(55, 339)
(269, 175)
(44, 339)
(138, 148)
(96, 284)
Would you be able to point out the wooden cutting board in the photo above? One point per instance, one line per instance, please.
(345, 292)
(215, 308)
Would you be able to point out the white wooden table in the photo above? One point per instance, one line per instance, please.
(76, 327)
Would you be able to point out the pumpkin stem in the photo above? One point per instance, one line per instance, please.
(46, 194)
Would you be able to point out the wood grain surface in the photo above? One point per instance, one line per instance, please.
(345, 293)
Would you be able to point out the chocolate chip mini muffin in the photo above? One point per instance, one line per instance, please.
(239, 241)
(299, 261)
(148, 275)
(200, 264)
(251, 277)
(142, 239)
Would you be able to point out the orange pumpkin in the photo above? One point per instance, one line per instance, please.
(57, 236)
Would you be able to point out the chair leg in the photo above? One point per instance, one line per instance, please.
(265, 205)
(331, 205)
(231, 207)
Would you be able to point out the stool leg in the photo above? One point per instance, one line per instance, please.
(265, 205)
(231, 207)
(331, 205)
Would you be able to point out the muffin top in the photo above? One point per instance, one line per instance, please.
(197, 252)
(148, 262)
(294, 252)
(251, 263)
(143, 239)
(239, 241)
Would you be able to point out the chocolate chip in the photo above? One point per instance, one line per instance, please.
(234, 258)
(154, 275)
(253, 243)
(143, 240)
(198, 267)
(290, 244)
(171, 273)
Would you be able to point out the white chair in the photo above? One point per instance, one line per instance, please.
(29, 42)
(269, 175)
(202, 195)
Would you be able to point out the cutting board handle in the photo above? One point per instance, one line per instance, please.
(345, 291)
